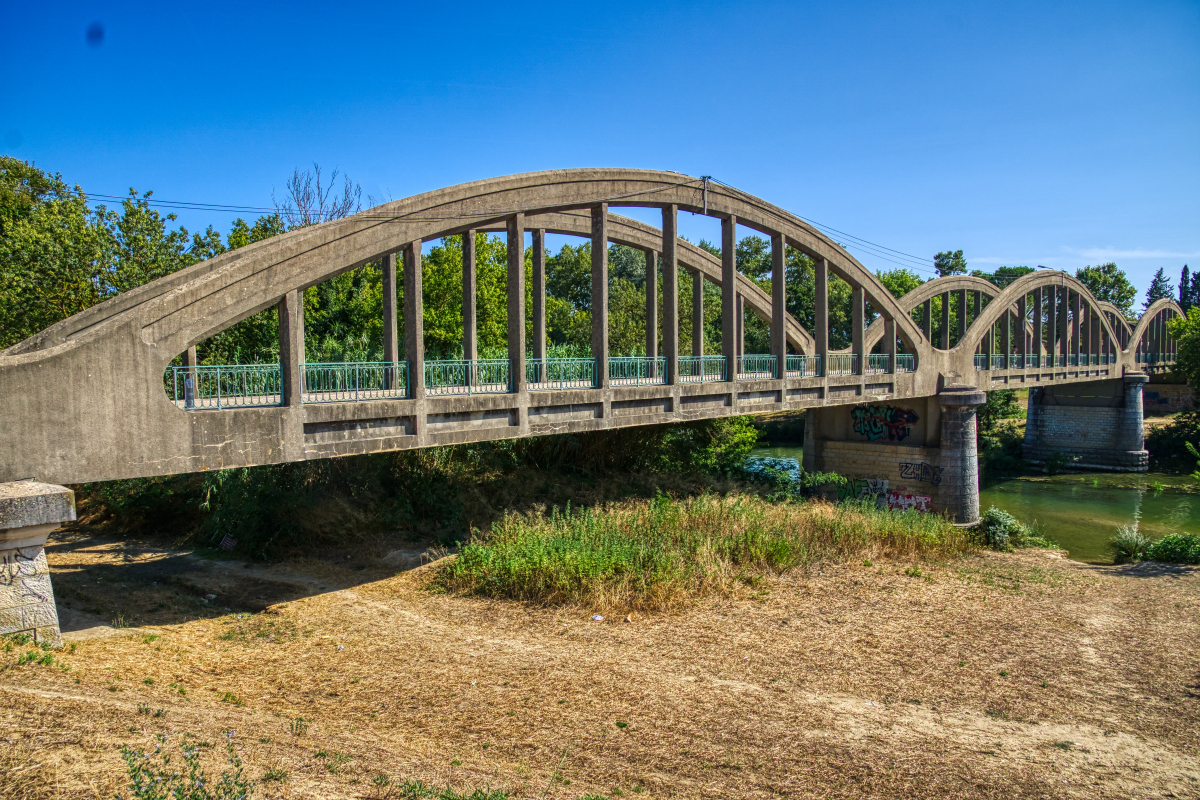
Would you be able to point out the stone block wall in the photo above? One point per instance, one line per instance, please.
(1166, 398)
(898, 476)
(1078, 427)
(26, 597)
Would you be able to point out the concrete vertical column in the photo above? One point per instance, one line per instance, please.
(976, 305)
(516, 300)
(29, 512)
(1130, 433)
(190, 377)
(812, 440)
(414, 328)
(856, 329)
(291, 347)
(1021, 340)
(1096, 337)
(821, 313)
(1064, 316)
(1036, 341)
(1006, 337)
(539, 296)
(1052, 325)
(741, 325)
(600, 292)
(962, 315)
(1075, 329)
(391, 333)
(1031, 416)
(959, 454)
(889, 342)
(729, 275)
(779, 303)
(470, 292)
(670, 292)
(697, 313)
(927, 321)
(651, 304)
(945, 320)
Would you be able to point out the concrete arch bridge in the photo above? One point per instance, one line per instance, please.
(87, 400)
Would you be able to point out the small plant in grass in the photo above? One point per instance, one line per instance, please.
(298, 726)
(1128, 545)
(275, 775)
(1064, 745)
(148, 681)
(231, 698)
(153, 776)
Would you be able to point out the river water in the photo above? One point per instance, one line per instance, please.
(1081, 512)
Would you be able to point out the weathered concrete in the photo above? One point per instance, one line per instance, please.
(960, 457)
(1092, 425)
(83, 400)
(29, 512)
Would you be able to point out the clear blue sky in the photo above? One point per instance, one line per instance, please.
(1061, 134)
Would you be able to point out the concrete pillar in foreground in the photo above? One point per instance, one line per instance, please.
(821, 314)
(600, 292)
(539, 294)
(779, 304)
(697, 313)
(516, 301)
(856, 329)
(414, 323)
(729, 273)
(470, 342)
(29, 511)
(670, 279)
(945, 320)
(391, 333)
(291, 347)
(741, 325)
(927, 321)
(651, 304)
(959, 454)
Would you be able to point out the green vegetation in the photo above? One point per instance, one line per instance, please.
(1128, 546)
(1001, 531)
(662, 553)
(152, 776)
(1109, 283)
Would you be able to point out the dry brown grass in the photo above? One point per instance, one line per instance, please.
(839, 681)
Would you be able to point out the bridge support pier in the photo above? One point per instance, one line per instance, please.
(905, 454)
(29, 512)
(1092, 425)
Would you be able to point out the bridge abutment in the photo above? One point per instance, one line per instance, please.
(29, 512)
(907, 454)
(1093, 425)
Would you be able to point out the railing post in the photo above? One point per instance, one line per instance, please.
(600, 293)
(516, 302)
(539, 296)
(189, 377)
(698, 314)
(779, 303)
(670, 267)
(729, 327)
(821, 314)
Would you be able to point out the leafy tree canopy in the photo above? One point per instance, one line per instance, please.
(899, 281)
(950, 263)
(1003, 276)
(1108, 283)
(1160, 288)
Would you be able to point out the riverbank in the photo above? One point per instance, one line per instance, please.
(996, 675)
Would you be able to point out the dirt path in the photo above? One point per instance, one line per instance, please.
(1020, 675)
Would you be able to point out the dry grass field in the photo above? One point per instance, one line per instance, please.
(997, 675)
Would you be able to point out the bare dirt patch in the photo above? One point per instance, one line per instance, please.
(1016, 675)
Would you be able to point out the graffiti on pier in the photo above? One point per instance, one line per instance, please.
(921, 471)
(865, 489)
(903, 502)
(875, 421)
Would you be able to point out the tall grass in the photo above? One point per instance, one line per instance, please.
(658, 554)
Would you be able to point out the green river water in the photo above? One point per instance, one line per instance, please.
(1080, 512)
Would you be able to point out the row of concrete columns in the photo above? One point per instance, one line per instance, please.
(291, 312)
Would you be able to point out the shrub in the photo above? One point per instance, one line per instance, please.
(1128, 545)
(1002, 531)
(1176, 548)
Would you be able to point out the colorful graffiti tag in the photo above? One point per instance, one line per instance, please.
(921, 471)
(875, 421)
(877, 489)
(903, 502)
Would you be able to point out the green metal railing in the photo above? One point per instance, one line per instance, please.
(542, 374)
(838, 364)
(757, 367)
(804, 366)
(224, 386)
(637, 370)
(906, 362)
(353, 381)
(482, 376)
(701, 369)
(879, 364)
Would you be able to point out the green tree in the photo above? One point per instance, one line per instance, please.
(899, 281)
(1108, 283)
(1160, 288)
(1186, 332)
(1003, 276)
(950, 263)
